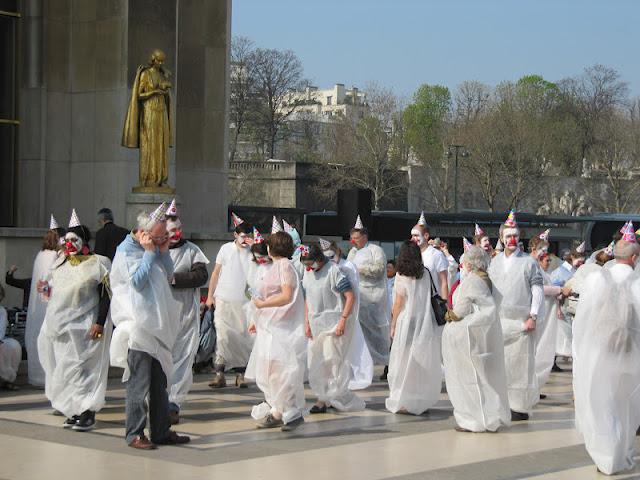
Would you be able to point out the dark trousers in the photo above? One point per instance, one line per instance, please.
(147, 380)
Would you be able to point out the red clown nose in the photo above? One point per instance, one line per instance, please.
(513, 242)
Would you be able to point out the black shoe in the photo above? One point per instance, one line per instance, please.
(86, 422)
(385, 372)
(292, 425)
(173, 439)
(519, 417)
(317, 409)
(542, 396)
(70, 422)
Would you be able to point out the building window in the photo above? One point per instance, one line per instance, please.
(9, 124)
(329, 100)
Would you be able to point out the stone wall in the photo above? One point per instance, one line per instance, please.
(80, 58)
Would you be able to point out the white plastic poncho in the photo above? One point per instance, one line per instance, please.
(546, 332)
(512, 280)
(358, 357)
(233, 341)
(188, 339)
(473, 355)
(415, 371)
(10, 351)
(606, 377)
(76, 366)
(145, 317)
(278, 359)
(373, 312)
(35, 314)
(329, 370)
(255, 280)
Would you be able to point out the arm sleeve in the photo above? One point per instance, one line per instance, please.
(103, 305)
(140, 277)
(167, 263)
(377, 267)
(464, 303)
(342, 282)
(552, 290)
(194, 278)
(287, 274)
(22, 283)
(537, 297)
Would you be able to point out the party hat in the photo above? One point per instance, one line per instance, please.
(172, 211)
(478, 231)
(74, 221)
(275, 226)
(545, 235)
(324, 244)
(511, 220)
(53, 224)
(236, 220)
(358, 224)
(257, 238)
(422, 221)
(159, 213)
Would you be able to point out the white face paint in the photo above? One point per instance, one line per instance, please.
(72, 244)
(510, 238)
(417, 237)
(485, 244)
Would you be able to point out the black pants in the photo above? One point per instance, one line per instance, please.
(147, 379)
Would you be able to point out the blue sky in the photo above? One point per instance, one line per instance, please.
(404, 43)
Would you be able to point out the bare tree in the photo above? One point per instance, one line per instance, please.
(242, 81)
(471, 100)
(278, 74)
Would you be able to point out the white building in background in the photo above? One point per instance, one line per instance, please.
(325, 105)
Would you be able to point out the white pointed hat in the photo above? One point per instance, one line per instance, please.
(257, 238)
(358, 224)
(581, 248)
(172, 211)
(287, 228)
(275, 226)
(466, 244)
(545, 235)
(499, 246)
(478, 230)
(628, 233)
(324, 244)
(53, 224)
(159, 213)
(74, 221)
(236, 220)
(422, 221)
(609, 249)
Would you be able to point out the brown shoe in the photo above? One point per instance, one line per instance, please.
(142, 443)
(240, 382)
(218, 381)
(174, 439)
(174, 418)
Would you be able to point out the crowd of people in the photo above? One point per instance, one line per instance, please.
(491, 324)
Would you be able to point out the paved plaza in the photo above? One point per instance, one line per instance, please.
(373, 444)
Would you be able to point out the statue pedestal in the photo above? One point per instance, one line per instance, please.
(145, 202)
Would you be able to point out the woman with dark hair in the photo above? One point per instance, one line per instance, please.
(74, 340)
(415, 373)
(277, 362)
(359, 357)
(37, 306)
(329, 302)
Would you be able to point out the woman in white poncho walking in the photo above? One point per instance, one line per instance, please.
(473, 352)
(415, 373)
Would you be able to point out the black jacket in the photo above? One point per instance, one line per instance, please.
(108, 238)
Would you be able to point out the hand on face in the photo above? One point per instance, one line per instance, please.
(147, 242)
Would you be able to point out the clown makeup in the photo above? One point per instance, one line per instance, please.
(577, 262)
(331, 255)
(72, 244)
(174, 229)
(511, 237)
(358, 240)
(243, 240)
(417, 237)
(485, 244)
(312, 266)
(261, 259)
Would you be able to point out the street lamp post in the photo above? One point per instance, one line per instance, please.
(464, 154)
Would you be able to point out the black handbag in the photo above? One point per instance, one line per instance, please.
(438, 304)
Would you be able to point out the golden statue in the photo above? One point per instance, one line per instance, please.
(148, 124)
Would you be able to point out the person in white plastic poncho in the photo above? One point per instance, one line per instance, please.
(259, 267)
(42, 264)
(73, 345)
(606, 376)
(473, 352)
(415, 372)
(278, 359)
(329, 325)
(189, 274)
(517, 290)
(227, 294)
(359, 357)
(373, 314)
(10, 352)
(147, 323)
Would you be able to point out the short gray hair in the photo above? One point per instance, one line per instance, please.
(145, 222)
(624, 250)
(476, 258)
